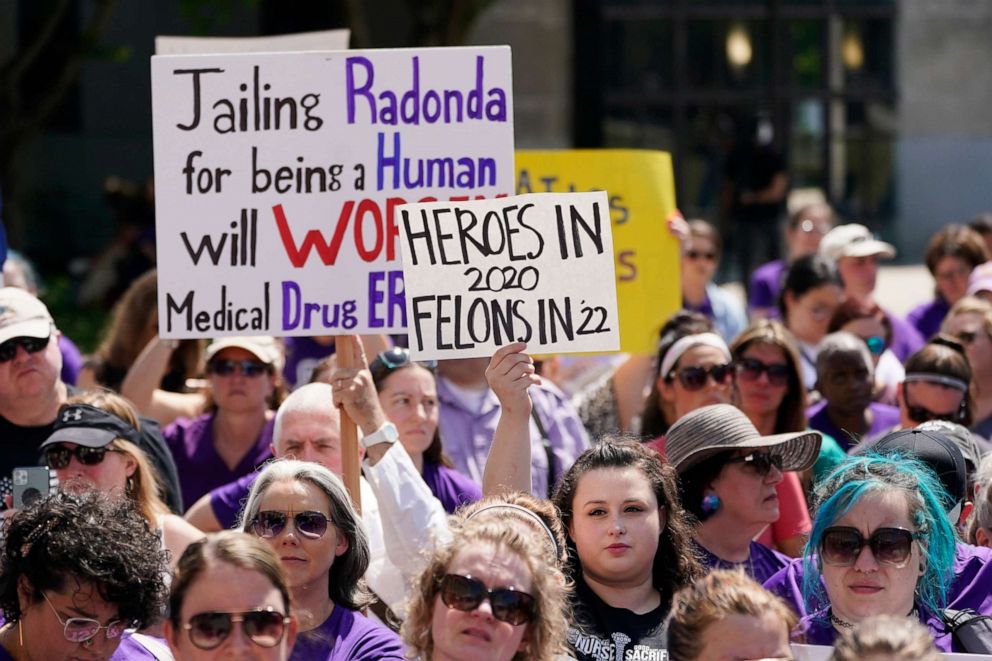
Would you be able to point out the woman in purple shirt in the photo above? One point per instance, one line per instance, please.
(302, 511)
(408, 396)
(230, 599)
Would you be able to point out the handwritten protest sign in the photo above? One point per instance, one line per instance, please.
(641, 196)
(277, 178)
(531, 268)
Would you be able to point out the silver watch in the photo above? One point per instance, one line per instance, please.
(384, 434)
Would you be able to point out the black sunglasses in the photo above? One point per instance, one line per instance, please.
(393, 359)
(698, 254)
(31, 344)
(59, 456)
(465, 593)
(841, 546)
(694, 378)
(761, 462)
(920, 414)
(751, 369)
(250, 368)
(208, 630)
(270, 523)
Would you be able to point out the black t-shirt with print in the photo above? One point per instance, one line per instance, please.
(600, 632)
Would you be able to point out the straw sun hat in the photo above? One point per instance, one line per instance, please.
(709, 430)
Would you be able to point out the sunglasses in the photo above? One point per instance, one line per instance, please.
(30, 344)
(698, 254)
(208, 630)
(270, 523)
(841, 546)
(81, 629)
(465, 593)
(761, 462)
(751, 369)
(249, 368)
(694, 378)
(920, 414)
(59, 456)
(964, 337)
(876, 344)
(396, 358)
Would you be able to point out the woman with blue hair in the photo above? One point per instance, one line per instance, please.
(882, 545)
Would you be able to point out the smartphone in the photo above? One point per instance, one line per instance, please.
(32, 483)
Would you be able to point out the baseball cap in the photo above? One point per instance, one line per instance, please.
(935, 450)
(980, 279)
(89, 426)
(263, 347)
(854, 240)
(23, 315)
(961, 436)
(710, 430)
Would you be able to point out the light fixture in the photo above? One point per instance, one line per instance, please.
(852, 50)
(738, 47)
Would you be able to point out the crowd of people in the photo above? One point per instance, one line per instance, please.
(808, 468)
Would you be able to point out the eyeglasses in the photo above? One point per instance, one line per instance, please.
(876, 344)
(264, 627)
(59, 456)
(465, 593)
(698, 254)
(270, 523)
(761, 462)
(397, 357)
(841, 546)
(807, 226)
(30, 344)
(249, 368)
(694, 378)
(920, 414)
(751, 369)
(81, 629)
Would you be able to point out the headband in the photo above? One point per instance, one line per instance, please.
(689, 341)
(523, 510)
(930, 377)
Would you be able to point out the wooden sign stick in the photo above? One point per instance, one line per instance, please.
(350, 464)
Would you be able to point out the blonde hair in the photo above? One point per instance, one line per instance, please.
(546, 632)
(543, 518)
(970, 305)
(144, 486)
(712, 598)
(886, 634)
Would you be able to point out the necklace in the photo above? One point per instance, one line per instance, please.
(844, 624)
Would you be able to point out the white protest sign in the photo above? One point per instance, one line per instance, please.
(532, 268)
(319, 40)
(277, 176)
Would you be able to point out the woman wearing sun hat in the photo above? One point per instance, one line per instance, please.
(727, 478)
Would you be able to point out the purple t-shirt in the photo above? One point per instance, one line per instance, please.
(72, 360)
(227, 501)
(766, 283)
(928, 317)
(131, 650)
(883, 417)
(302, 355)
(762, 565)
(450, 487)
(468, 434)
(817, 630)
(906, 340)
(971, 570)
(348, 636)
(199, 466)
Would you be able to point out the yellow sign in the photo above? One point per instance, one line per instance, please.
(641, 190)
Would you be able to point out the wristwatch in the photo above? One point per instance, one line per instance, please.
(384, 434)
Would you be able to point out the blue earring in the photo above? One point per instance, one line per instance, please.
(711, 503)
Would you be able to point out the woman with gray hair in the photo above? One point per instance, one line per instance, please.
(845, 378)
(303, 512)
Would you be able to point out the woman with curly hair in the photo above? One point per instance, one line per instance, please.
(76, 571)
(490, 594)
(302, 511)
(630, 548)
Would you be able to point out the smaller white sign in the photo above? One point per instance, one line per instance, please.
(532, 268)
